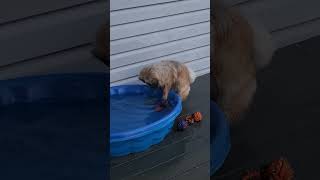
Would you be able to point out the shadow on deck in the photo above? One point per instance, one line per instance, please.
(284, 119)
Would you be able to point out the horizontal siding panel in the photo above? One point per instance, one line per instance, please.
(296, 33)
(17, 9)
(49, 33)
(134, 69)
(203, 72)
(148, 32)
(125, 4)
(158, 51)
(72, 61)
(159, 24)
(199, 64)
(279, 14)
(151, 39)
(236, 2)
(132, 80)
(290, 21)
(156, 11)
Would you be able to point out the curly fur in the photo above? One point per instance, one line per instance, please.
(169, 75)
(240, 49)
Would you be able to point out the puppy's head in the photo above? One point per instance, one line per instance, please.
(149, 76)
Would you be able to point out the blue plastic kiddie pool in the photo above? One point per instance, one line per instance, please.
(220, 137)
(54, 126)
(53, 88)
(135, 125)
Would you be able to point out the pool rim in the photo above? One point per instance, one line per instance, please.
(150, 128)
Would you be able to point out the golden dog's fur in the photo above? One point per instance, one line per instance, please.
(101, 49)
(168, 75)
(239, 50)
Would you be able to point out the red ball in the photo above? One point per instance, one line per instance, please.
(197, 116)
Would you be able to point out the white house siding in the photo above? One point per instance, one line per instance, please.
(143, 32)
(43, 37)
(289, 21)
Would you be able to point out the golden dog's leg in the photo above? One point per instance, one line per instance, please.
(165, 92)
(235, 106)
(184, 92)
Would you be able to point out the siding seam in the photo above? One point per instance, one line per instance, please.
(48, 12)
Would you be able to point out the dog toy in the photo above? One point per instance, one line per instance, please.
(184, 122)
(277, 170)
(195, 117)
(182, 125)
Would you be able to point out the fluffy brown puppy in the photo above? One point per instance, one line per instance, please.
(169, 75)
(239, 49)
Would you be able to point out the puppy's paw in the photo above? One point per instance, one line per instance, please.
(164, 102)
(159, 108)
(161, 105)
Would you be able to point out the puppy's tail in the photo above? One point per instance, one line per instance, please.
(192, 75)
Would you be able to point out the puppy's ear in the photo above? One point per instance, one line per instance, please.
(141, 79)
(157, 78)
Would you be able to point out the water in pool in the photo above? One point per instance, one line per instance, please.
(129, 112)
